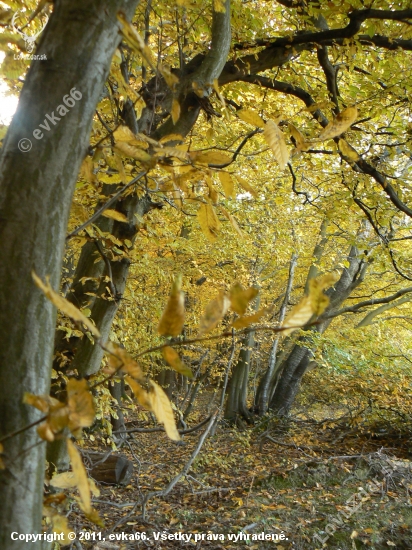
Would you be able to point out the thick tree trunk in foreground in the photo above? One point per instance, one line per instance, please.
(36, 189)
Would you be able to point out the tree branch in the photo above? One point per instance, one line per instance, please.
(212, 65)
(374, 301)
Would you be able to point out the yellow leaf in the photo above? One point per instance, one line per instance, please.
(171, 152)
(276, 141)
(243, 322)
(115, 215)
(219, 6)
(227, 184)
(214, 312)
(232, 221)
(163, 411)
(347, 150)
(61, 526)
(119, 359)
(133, 152)
(81, 406)
(175, 112)
(64, 305)
(208, 220)
(314, 304)
(140, 393)
(172, 358)
(219, 95)
(80, 476)
(65, 480)
(240, 297)
(251, 117)
(2, 465)
(57, 414)
(301, 144)
(124, 134)
(246, 186)
(173, 317)
(171, 137)
(316, 287)
(171, 79)
(210, 157)
(340, 124)
(134, 39)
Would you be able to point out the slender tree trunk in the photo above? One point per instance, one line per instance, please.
(116, 391)
(36, 189)
(236, 404)
(294, 366)
(263, 391)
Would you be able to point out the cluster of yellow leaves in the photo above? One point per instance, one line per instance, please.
(237, 300)
(78, 478)
(65, 306)
(78, 412)
(314, 303)
(154, 398)
(75, 414)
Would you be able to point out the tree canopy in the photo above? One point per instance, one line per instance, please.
(186, 181)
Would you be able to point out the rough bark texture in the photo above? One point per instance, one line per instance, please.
(36, 189)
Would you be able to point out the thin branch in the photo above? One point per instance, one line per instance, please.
(21, 430)
(236, 153)
(106, 205)
(161, 429)
(374, 301)
(109, 270)
(185, 470)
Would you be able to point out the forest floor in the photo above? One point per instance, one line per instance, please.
(319, 480)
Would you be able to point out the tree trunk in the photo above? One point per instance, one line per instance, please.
(116, 389)
(36, 189)
(263, 391)
(236, 404)
(294, 366)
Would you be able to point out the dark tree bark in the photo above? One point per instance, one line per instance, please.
(36, 189)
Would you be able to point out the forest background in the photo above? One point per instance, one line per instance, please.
(216, 199)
